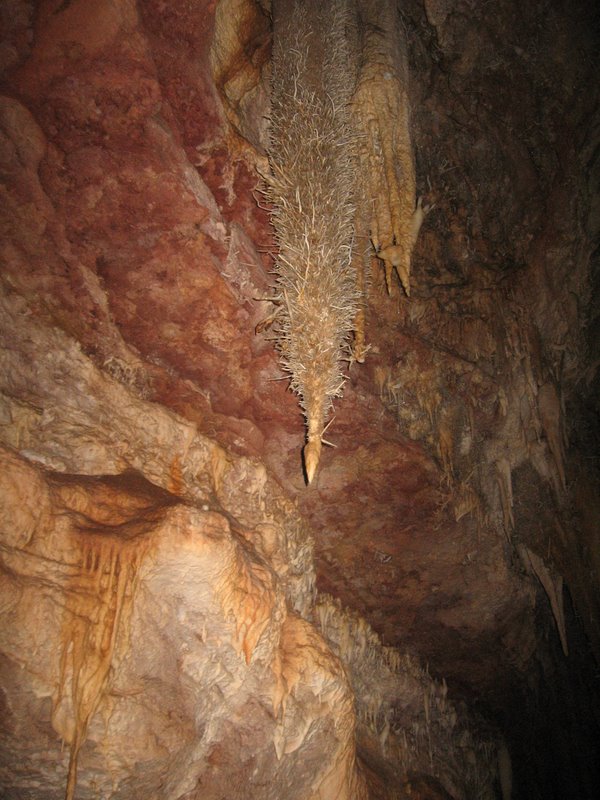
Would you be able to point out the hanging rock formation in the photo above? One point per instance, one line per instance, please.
(310, 186)
(341, 171)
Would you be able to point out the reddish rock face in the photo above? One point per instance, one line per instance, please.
(132, 139)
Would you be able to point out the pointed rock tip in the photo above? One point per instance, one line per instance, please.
(312, 454)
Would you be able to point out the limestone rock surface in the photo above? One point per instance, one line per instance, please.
(166, 664)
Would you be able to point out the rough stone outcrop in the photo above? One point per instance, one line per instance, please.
(172, 580)
(165, 658)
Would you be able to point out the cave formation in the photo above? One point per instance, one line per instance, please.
(182, 616)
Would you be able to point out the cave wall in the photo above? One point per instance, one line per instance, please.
(458, 512)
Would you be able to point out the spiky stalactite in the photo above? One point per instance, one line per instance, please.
(342, 173)
(311, 189)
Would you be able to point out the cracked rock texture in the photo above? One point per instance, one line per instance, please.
(180, 616)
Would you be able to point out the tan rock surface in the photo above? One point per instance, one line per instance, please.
(144, 642)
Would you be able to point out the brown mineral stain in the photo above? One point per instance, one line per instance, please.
(175, 476)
